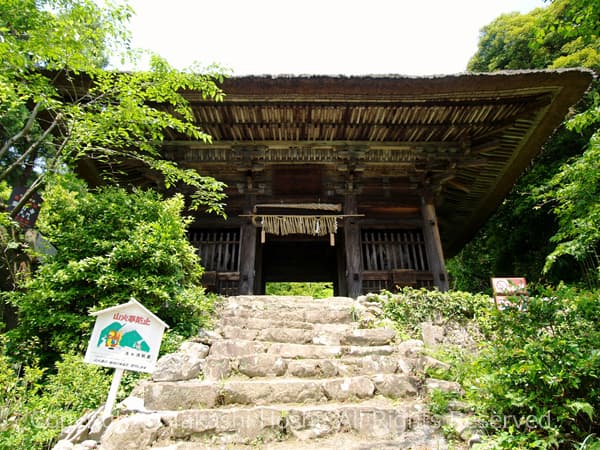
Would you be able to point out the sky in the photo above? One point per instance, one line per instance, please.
(325, 37)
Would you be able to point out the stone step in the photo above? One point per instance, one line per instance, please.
(253, 323)
(297, 309)
(235, 348)
(286, 373)
(312, 315)
(267, 365)
(378, 419)
(264, 391)
(422, 438)
(287, 302)
(320, 334)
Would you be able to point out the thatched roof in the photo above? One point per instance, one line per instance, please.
(464, 138)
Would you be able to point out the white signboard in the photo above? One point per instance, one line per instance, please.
(126, 337)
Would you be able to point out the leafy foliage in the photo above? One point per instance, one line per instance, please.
(533, 378)
(314, 290)
(410, 307)
(111, 245)
(576, 205)
(554, 196)
(60, 110)
(34, 409)
(536, 380)
(59, 107)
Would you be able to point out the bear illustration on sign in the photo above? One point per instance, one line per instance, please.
(118, 335)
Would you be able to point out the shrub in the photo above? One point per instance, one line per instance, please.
(111, 245)
(534, 379)
(33, 412)
(410, 307)
(536, 383)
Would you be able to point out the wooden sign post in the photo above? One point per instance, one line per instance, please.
(125, 337)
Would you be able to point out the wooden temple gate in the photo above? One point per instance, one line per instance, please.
(389, 259)
(362, 181)
(409, 169)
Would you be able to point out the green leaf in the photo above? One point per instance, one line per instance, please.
(584, 407)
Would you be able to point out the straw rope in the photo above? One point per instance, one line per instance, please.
(290, 224)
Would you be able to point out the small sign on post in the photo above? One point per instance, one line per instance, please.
(30, 210)
(125, 337)
(508, 287)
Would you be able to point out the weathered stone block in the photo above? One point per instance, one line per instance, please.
(311, 423)
(443, 385)
(326, 338)
(207, 337)
(89, 444)
(410, 348)
(306, 351)
(236, 348)
(342, 389)
(432, 334)
(293, 335)
(378, 364)
(262, 365)
(181, 395)
(395, 385)
(216, 368)
(315, 368)
(464, 425)
(369, 336)
(132, 432)
(375, 422)
(427, 362)
(231, 332)
(405, 366)
(63, 445)
(272, 391)
(357, 350)
(230, 426)
(327, 315)
(185, 364)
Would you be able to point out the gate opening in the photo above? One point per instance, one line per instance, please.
(313, 289)
(294, 263)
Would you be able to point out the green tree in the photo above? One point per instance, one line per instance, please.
(564, 34)
(111, 245)
(58, 106)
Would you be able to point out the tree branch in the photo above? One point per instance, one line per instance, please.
(31, 148)
(30, 121)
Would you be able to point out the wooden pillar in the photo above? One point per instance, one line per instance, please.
(248, 247)
(352, 247)
(433, 245)
(247, 258)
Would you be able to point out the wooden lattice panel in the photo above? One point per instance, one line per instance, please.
(386, 250)
(219, 250)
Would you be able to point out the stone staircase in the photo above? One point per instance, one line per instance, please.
(287, 373)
